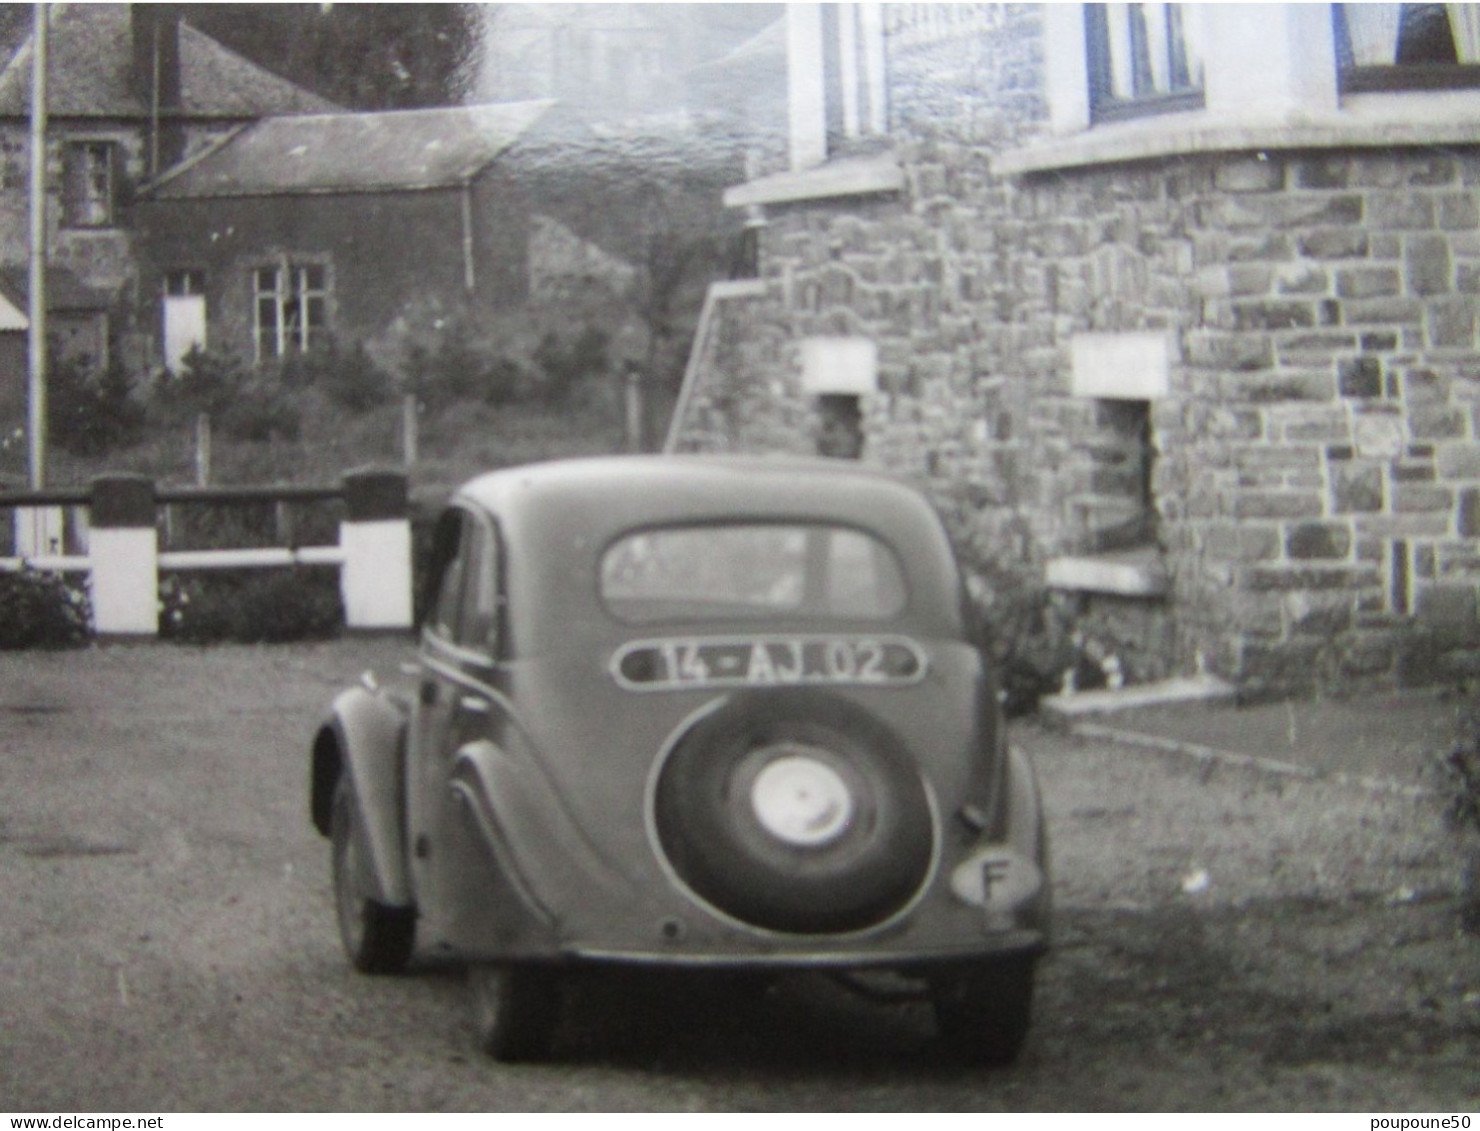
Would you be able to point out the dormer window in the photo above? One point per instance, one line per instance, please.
(1387, 47)
(1143, 59)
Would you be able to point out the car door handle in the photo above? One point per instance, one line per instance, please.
(473, 703)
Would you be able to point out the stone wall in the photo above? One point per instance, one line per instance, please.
(1316, 473)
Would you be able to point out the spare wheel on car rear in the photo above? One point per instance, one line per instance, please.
(795, 810)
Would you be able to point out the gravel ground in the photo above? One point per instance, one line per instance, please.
(1226, 939)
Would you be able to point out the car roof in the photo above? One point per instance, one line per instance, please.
(558, 517)
(621, 492)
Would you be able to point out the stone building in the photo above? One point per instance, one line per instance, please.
(131, 90)
(1173, 307)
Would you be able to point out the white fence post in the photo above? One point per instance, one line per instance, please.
(375, 579)
(124, 554)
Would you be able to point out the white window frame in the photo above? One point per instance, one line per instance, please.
(857, 91)
(1144, 58)
(293, 299)
(1270, 80)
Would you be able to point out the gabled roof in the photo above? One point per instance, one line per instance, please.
(65, 292)
(392, 150)
(766, 48)
(90, 73)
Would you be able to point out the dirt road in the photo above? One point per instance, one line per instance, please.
(1225, 939)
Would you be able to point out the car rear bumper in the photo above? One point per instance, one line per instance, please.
(799, 957)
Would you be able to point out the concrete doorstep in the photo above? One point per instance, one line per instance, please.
(1063, 710)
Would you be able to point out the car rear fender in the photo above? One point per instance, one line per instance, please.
(523, 818)
(365, 738)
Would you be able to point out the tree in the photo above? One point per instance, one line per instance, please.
(363, 56)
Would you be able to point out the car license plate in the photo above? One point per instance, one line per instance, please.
(773, 661)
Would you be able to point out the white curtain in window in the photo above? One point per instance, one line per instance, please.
(1119, 19)
(1464, 22)
(1194, 41)
(1156, 45)
(1374, 33)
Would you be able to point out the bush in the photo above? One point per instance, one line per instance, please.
(1032, 641)
(242, 402)
(348, 378)
(447, 359)
(251, 606)
(88, 411)
(566, 365)
(42, 610)
(207, 382)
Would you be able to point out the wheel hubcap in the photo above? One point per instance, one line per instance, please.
(801, 800)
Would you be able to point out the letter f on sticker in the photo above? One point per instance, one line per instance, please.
(993, 871)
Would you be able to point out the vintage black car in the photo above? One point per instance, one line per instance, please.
(722, 713)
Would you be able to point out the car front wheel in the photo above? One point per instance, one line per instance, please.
(515, 1009)
(984, 1009)
(377, 938)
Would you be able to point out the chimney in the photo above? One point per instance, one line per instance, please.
(155, 30)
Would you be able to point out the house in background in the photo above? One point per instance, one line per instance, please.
(1172, 307)
(131, 90)
(296, 231)
(219, 205)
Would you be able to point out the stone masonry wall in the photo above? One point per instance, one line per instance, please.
(1315, 471)
(1317, 464)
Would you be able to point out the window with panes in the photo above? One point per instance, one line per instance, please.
(88, 184)
(290, 308)
(1143, 59)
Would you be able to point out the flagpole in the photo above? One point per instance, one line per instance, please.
(36, 340)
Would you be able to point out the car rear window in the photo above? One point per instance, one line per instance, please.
(751, 570)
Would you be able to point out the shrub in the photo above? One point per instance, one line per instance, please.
(1032, 641)
(90, 411)
(349, 377)
(448, 359)
(566, 365)
(251, 606)
(207, 382)
(242, 402)
(42, 610)
(261, 413)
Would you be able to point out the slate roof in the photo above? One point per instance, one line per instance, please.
(388, 151)
(64, 290)
(90, 73)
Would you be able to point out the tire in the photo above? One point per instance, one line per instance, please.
(378, 939)
(984, 1010)
(858, 855)
(515, 1010)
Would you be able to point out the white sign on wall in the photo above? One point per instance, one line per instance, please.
(840, 365)
(1127, 367)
